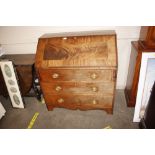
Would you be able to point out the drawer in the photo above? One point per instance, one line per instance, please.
(91, 75)
(79, 100)
(106, 88)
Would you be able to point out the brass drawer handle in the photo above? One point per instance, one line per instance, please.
(94, 89)
(55, 75)
(95, 102)
(60, 100)
(58, 88)
(93, 76)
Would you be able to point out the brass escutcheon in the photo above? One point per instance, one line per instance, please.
(55, 75)
(58, 88)
(94, 102)
(93, 76)
(60, 100)
(94, 89)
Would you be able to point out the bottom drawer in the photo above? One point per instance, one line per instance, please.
(79, 100)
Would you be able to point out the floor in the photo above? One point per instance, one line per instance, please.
(61, 118)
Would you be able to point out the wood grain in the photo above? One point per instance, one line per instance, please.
(20, 59)
(147, 36)
(78, 88)
(3, 88)
(146, 43)
(23, 64)
(25, 78)
(80, 101)
(77, 51)
(76, 75)
(134, 71)
(78, 71)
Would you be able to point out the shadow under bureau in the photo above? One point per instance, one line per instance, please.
(78, 70)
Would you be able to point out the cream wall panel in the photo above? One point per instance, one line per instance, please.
(124, 50)
(26, 48)
(126, 32)
(13, 35)
(22, 40)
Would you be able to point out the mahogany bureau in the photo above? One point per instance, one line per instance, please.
(78, 70)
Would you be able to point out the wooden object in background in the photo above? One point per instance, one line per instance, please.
(145, 44)
(23, 64)
(3, 89)
(147, 36)
(78, 70)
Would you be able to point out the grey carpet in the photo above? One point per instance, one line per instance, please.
(61, 118)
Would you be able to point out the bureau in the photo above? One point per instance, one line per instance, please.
(78, 70)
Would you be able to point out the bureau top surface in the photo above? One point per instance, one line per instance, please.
(95, 48)
(79, 33)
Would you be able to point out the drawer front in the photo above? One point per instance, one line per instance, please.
(85, 75)
(78, 88)
(79, 100)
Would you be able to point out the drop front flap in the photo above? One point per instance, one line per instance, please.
(97, 50)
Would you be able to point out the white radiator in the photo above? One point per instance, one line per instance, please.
(2, 111)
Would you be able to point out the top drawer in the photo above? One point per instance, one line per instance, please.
(50, 75)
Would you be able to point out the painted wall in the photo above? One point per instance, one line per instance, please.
(21, 40)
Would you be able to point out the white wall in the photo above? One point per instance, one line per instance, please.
(24, 40)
